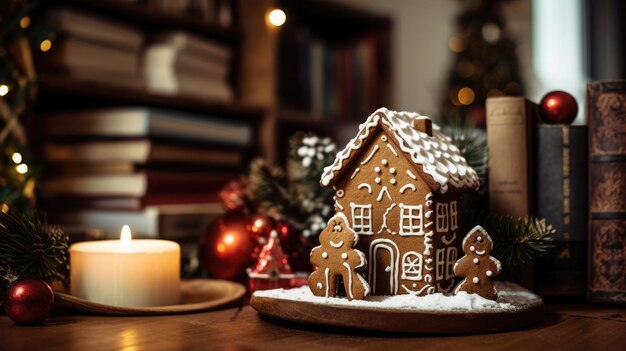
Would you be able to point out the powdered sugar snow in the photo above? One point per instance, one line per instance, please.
(510, 298)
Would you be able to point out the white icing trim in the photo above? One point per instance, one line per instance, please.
(446, 241)
(380, 194)
(411, 174)
(437, 155)
(479, 253)
(418, 292)
(369, 157)
(336, 245)
(365, 185)
(338, 205)
(340, 193)
(355, 172)
(419, 276)
(384, 225)
(326, 271)
(345, 264)
(407, 186)
(384, 243)
(393, 151)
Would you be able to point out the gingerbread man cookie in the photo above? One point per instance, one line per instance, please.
(336, 257)
(477, 266)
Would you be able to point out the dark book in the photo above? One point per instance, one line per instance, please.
(560, 197)
(606, 113)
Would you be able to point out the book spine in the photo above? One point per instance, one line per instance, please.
(560, 197)
(606, 113)
(508, 145)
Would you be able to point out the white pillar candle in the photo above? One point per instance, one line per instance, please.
(125, 272)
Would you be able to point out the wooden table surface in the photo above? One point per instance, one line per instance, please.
(565, 327)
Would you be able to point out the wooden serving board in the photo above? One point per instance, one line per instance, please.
(402, 320)
(196, 295)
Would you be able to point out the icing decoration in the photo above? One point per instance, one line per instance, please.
(319, 285)
(411, 174)
(344, 256)
(336, 245)
(340, 193)
(369, 157)
(393, 181)
(338, 205)
(377, 169)
(475, 280)
(392, 170)
(383, 191)
(446, 241)
(384, 162)
(407, 186)
(384, 225)
(383, 138)
(438, 156)
(366, 186)
(326, 271)
(356, 170)
(475, 260)
(472, 248)
(480, 253)
(324, 254)
(489, 273)
(392, 248)
(377, 180)
(393, 151)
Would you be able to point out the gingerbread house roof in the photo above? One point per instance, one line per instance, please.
(433, 156)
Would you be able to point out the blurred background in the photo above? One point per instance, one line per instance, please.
(140, 112)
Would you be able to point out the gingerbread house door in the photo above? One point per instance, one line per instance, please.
(384, 257)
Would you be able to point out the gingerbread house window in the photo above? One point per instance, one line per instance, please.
(453, 216)
(362, 219)
(451, 256)
(412, 266)
(442, 217)
(411, 220)
(440, 265)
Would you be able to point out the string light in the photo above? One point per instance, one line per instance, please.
(456, 44)
(4, 208)
(4, 89)
(22, 168)
(24, 22)
(276, 17)
(17, 158)
(466, 96)
(45, 45)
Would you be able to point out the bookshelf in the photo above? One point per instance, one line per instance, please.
(354, 81)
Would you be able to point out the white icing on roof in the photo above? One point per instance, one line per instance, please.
(437, 155)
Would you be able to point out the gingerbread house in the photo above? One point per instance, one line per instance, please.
(399, 182)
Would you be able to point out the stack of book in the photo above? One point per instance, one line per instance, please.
(328, 79)
(92, 49)
(182, 64)
(156, 170)
(215, 12)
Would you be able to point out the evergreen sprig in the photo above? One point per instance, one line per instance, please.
(30, 248)
(517, 241)
(472, 142)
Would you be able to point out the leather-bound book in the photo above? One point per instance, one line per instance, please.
(560, 197)
(606, 112)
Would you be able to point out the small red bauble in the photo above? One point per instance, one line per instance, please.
(231, 244)
(558, 107)
(29, 301)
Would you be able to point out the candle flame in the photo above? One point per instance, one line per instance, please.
(126, 237)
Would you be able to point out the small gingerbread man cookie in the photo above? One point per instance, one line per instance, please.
(336, 257)
(477, 266)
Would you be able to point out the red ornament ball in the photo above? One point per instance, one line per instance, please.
(28, 301)
(558, 107)
(231, 244)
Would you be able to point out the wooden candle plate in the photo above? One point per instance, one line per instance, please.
(524, 308)
(196, 295)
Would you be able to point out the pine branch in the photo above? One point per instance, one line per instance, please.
(471, 141)
(30, 248)
(517, 241)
